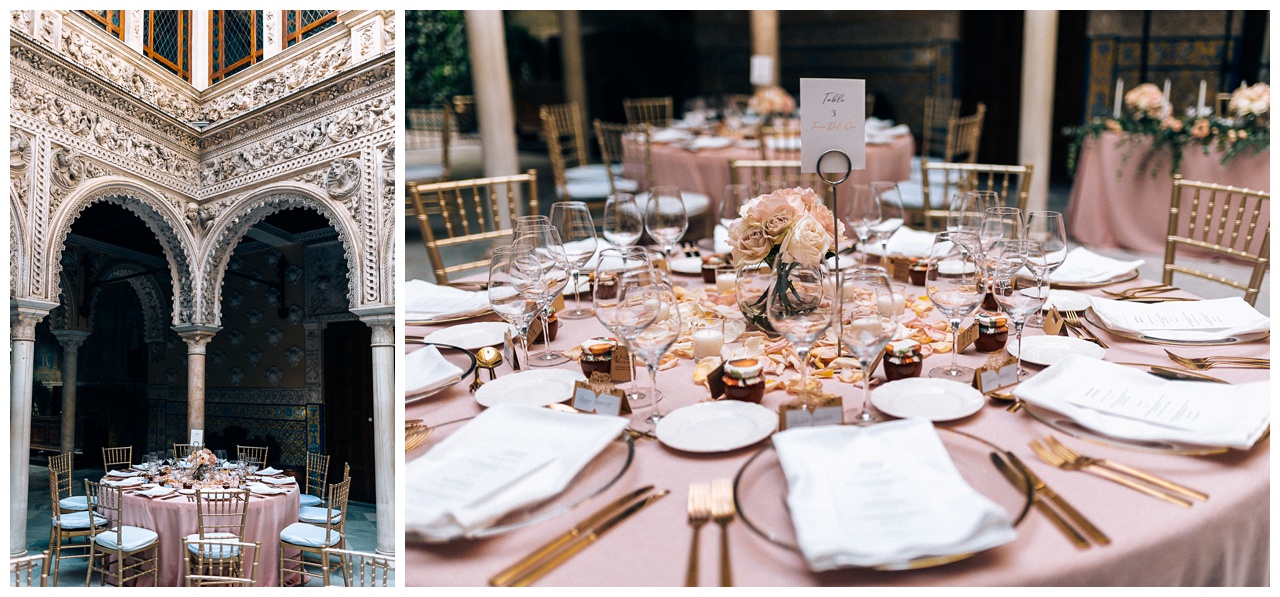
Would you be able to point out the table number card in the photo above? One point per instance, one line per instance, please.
(197, 437)
(989, 380)
(832, 116)
(793, 416)
(762, 70)
(589, 399)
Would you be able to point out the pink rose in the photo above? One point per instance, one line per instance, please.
(748, 242)
(1172, 123)
(1254, 99)
(776, 211)
(1149, 101)
(807, 242)
(1200, 129)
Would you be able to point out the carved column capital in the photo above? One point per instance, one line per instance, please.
(196, 336)
(383, 322)
(71, 340)
(24, 314)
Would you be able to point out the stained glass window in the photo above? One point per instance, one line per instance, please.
(235, 41)
(167, 40)
(301, 24)
(111, 21)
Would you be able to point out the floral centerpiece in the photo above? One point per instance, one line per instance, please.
(1252, 102)
(1147, 101)
(201, 461)
(785, 228)
(771, 99)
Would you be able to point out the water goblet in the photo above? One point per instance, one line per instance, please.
(622, 222)
(861, 212)
(665, 218)
(613, 263)
(891, 214)
(572, 220)
(954, 286)
(1019, 303)
(864, 331)
(553, 265)
(1048, 228)
(800, 308)
(512, 269)
(648, 297)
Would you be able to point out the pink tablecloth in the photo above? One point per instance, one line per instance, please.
(1223, 541)
(1115, 201)
(173, 519)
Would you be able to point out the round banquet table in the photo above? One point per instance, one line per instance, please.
(1224, 541)
(175, 518)
(1116, 202)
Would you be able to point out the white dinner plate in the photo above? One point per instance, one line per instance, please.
(471, 336)
(1047, 350)
(535, 387)
(1067, 300)
(927, 398)
(716, 426)
(187, 491)
(687, 265)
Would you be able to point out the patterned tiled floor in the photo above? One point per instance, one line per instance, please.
(361, 528)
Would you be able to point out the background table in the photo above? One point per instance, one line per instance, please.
(174, 519)
(1223, 541)
(1117, 203)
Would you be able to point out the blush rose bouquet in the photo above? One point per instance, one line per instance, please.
(1147, 101)
(772, 100)
(201, 461)
(1254, 100)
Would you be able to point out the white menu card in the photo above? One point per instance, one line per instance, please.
(833, 115)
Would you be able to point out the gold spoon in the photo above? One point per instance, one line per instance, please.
(488, 358)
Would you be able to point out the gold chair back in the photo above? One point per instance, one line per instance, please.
(254, 453)
(566, 143)
(611, 136)
(29, 571)
(237, 570)
(780, 142)
(337, 501)
(317, 474)
(1011, 183)
(964, 135)
(109, 503)
(766, 176)
(221, 511)
(656, 111)
(364, 569)
(182, 451)
(938, 112)
(1219, 219)
(469, 212)
(431, 128)
(63, 539)
(116, 456)
(60, 469)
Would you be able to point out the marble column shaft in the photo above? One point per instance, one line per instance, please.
(1035, 134)
(764, 38)
(23, 317)
(495, 109)
(384, 427)
(197, 338)
(575, 78)
(71, 341)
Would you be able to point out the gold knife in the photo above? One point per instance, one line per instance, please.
(1094, 533)
(1075, 536)
(504, 578)
(595, 533)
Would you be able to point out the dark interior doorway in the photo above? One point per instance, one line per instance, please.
(348, 405)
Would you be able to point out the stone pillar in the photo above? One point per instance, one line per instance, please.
(70, 341)
(382, 320)
(495, 110)
(134, 20)
(200, 49)
(24, 314)
(1035, 134)
(197, 338)
(764, 39)
(575, 78)
(272, 33)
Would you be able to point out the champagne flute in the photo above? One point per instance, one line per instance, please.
(891, 213)
(665, 218)
(860, 213)
(572, 220)
(800, 308)
(647, 296)
(865, 331)
(610, 267)
(1019, 304)
(1049, 228)
(954, 286)
(548, 252)
(622, 223)
(511, 269)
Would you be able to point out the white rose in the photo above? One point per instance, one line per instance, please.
(807, 243)
(749, 242)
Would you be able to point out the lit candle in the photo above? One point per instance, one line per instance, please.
(891, 306)
(1119, 96)
(725, 282)
(864, 329)
(707, 343)
(1166, 90)
(1200, 101)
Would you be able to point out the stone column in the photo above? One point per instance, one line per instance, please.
(24, 314)
(575, 78)
(382, 320)
(70, 341)
(1035, 134)
(134, 20)
(495, 110)
(764, 39)
(272, 33)
(200, 49)
(197, 338)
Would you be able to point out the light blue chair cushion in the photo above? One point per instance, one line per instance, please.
(316, 515)
(309, 500)
(591, 188)
(308, 535)
(131, 538)
(695, 204)
(215, 551)
(78, 521)
(414, 172)
(75, 502)
(590, 171)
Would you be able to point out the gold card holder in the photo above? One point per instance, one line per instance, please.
(622, 368)
(899, 268)
(592, 398)
(509, 352)
(1054, 325)
(793, 416)
(990, 379)
(966, 338)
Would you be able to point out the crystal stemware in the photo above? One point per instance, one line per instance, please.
(1019, 303)
(1049, 228)
(548, 252)
(731, 202)
(954, 286)
(573, 221)
(511, 269)
(610, 267)
(891, 213)
(865, 331)
(621, 223)
(665, 218)
(861, 212)
(648, 297)
(967, 208)
(800, 308)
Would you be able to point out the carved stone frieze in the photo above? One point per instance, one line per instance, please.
(19, 150)
(88, 54)
(303, 71)
(21, 20)
(67, 168)
(342, 179)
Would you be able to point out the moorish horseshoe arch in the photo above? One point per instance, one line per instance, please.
(149, 296)
(154, 211)
(232, 225)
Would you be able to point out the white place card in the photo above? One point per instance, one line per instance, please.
(832, 116)
(794, 416)
(761, 70)
(990, 380)
(612, 402)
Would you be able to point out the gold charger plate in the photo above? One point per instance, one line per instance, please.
(1125, 277)
(453, 319)
(1093, 318)
(760, 494)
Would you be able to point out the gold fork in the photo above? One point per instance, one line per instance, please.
(1203, 363)
(1086, 461)
(1049, 457)
(699, 513)
(1073, 320)
(1142, 290)
(722, 512)
(415, 436)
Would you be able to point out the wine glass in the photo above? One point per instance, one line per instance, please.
(553, 264)
(621, 222)
(801, 310)
(511, 269)
(1001, 223)
(865, 331)
(1019, 303)
(665, 218)
(967, 208)
(1048, 228)
(731, 202)
(954, 286)
(610, 267)
(572, 220)
(860, 213)
(891, 214)
(647, 296)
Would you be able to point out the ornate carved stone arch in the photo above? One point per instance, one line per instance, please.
(149, 295)
(17, 248)
(235, 222)
(154, 210)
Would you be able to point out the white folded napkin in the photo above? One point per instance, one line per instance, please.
(721, 236)
(130, 482)
(508, 458)
(1125, 402)
(906, 242)
(1083, 266)
(885, 494)
(426, 301)
(426, 370)
(124, 474)
(709, 142)
(157, 491)
(1182, 321)
(668, 135)
(269, 471)
(259, 488)
(282, 481)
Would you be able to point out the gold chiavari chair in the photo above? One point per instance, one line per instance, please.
(116, 457)
(118, 540)
(766, 176)
(313, 485)
(429, 128)
(576, 178)
(871, 104)
(238, 569)
(656, 111)
(780, 142)
(30, 571)
(470, 212)
(253, 453)
(61, 466)
(964, 136)
(310, 538)
(67, 526)
(364, 569)
(1219, 219)
(1011, 183)
(220, 514)
(182, 451)
(610, 135)
(938, 112)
